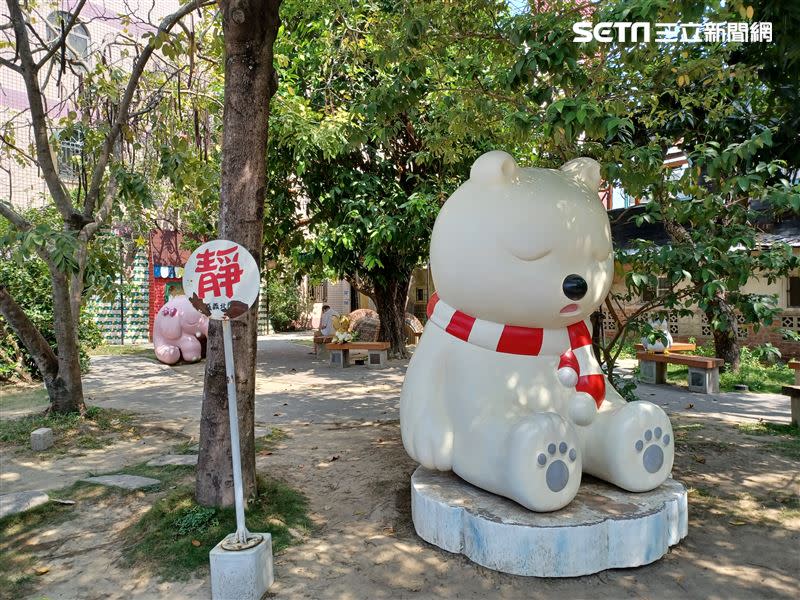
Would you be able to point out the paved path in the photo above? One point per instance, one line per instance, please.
(292, 385)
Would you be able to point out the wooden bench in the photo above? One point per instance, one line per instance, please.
(793, 391)
(676, 347)
(703, 370)
(319, 344)
(377, 353)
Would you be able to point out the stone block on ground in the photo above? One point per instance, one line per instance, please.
(604, 527)
(243, 574)
(41, 439)
(11, 504)
(189, 460)
(128, 482)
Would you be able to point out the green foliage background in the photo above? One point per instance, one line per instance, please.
(29, 284)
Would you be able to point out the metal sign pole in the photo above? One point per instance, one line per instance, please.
(242, 538)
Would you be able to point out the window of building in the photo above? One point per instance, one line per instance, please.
(70, 153)
(794, 292)
(661, 289)
(421, 295)
(78, 40)
(319, 293)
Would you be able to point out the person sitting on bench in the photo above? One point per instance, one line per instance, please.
(326, 321)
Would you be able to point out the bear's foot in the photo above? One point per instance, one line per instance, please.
(557, 474)
(652, 455)
(631, 447)
(545, 464)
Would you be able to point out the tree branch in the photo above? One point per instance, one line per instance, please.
(30, 74)
(64, 34)
(14, 217)
(93, 191)
(41, 352)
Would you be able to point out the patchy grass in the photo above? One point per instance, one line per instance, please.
(785, 438)
(174, 537)
(309, 343)
(17, 561)
(21, 397)
(688, 427)
(145, 350)
(189, 446)
(767, 428)
(88, 431)
(268, 443)
(757, 377)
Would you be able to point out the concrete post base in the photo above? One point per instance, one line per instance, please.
(377, 359)
(705, 381)
(242, 575)
(652, 372)
(604, 527)
(340, 358)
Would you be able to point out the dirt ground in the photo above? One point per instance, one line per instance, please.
(744, 529)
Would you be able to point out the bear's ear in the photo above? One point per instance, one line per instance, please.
(584, 169)
(494, 167)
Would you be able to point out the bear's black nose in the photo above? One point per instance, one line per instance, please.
(575, 287)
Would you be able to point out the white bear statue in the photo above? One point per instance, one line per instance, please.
(503, 388)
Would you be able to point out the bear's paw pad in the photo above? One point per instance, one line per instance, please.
(652, 455)
(557, 473)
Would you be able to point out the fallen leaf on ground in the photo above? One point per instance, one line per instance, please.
(700, 459)
(689, 406)
(737, 522)
(41, 570)
(195, 543)
(59, 501)
(277, 414)
(334, 457)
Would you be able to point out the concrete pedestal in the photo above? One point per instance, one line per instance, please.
(244, 574)
(604, 527)
(652, 372)
(377, 359)
(705, 381)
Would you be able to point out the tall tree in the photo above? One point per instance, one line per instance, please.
(249, 28)
(379, 119)
(65, 249)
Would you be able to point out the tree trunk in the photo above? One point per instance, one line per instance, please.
(726, 346)
(61, 377)
(66, 394)
(249, 29)
(390, 300)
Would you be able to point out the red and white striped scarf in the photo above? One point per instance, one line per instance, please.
(577, 365)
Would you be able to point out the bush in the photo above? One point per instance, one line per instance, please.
(286, 304)
(29, 284)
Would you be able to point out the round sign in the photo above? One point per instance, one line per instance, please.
(221, 279)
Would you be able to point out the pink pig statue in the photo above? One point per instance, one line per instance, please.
(179, 332)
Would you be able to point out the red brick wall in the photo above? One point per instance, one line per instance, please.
(164, 249)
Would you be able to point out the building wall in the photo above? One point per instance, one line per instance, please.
(697, 326)
(21, 182)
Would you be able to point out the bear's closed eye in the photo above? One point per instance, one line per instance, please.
(530, 256)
